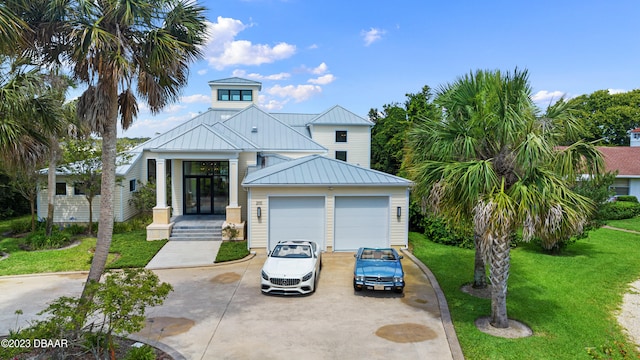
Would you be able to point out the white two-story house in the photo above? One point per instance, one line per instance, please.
(273, 176)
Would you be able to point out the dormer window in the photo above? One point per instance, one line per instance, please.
(341, 136)
(235, 95)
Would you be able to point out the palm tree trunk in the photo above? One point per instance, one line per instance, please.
(500, 263)
(51, 183)
(107, 189)
(479, 271)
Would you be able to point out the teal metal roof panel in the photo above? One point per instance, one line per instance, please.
(338, 115)
(235, 81)
(202, 137)
(316, 170)
(269, 133)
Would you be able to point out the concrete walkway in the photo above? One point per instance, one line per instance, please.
(181, 254)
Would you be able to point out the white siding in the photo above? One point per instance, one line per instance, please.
(358, 145)
(245, 160)
(69, 208)
(634, 188)
(398, 227)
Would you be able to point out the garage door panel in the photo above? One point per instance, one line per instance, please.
(297, 217)
(361, 221)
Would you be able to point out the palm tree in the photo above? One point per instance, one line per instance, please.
(490, 157)
(120, 48)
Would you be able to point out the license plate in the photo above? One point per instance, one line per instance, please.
(378, 287)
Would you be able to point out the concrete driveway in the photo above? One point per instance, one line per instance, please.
(218, 312)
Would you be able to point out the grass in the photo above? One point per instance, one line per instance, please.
(569, 300)
(232, 250)
(128, 249)
(628, 224)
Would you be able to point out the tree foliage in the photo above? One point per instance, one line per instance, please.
(491, 158)
(607, 117)
(389, 134)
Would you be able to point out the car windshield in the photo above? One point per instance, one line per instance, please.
(292, 251)
(377, 254)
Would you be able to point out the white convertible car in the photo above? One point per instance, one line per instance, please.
(292, 267)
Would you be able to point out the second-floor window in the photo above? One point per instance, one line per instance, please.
(341, 136)
(235, 95)
(61, 188)
(341, 155)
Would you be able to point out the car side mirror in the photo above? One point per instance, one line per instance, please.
(355, 255)
(400, 257)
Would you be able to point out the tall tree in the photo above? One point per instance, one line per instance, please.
(119, 49)
(492, 158)
(389, 134)
(84, 169)
(608, 117)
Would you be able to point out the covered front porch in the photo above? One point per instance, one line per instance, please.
(194, 185)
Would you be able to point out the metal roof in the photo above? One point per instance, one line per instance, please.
(338, 115)
(317, 170)
(235, 81)
(269, 133)
(200, 138)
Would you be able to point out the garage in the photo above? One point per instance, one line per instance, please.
(361, 221)
(296, 217)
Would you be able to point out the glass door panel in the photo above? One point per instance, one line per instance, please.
(220, 194)
(191, 195)
(205, 192)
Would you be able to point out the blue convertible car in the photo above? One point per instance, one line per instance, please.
(378, 269)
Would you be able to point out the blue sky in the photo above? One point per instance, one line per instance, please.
(312, 55)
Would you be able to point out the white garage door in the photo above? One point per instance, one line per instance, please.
(361, 221)
(296, 217)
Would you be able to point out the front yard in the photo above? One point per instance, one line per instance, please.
(128, 249)
(570, 301)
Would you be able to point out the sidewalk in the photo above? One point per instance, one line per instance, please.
(181, 254)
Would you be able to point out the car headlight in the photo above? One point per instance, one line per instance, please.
(359, 278)
(307, 277)
(398, 279)
(265, 276)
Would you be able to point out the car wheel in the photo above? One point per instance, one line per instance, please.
(315, 283)
(399, 291)
(355, 287)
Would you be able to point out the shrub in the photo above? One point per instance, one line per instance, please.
(139, 222)
(437, 230)
(75, 229)
(144, 352)
(618, 210)
(118, 309)
(40, 241)
(627, 198)
(20, 226)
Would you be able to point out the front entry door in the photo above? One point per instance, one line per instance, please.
(206, 187)
(198, 195)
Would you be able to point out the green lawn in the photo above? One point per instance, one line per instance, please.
(628, 224)
(130, 249)
(232, 250)
(569, 300)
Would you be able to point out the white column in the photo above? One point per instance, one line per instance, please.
(161, 184)
(233, 182)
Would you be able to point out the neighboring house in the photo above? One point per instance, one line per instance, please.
(624, 160)
(277, 175)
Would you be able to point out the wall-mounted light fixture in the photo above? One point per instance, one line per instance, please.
(259, 212)
(399, 211)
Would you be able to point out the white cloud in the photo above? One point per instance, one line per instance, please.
(372, 35)
(202, 72)
(195, 99)
(323, 80)
(547, 96)
(616, 91)
(312, 46)
(256, 76)
(271, 104)
(299, 92)
(223, 50)
(321, 69)
(148, 127)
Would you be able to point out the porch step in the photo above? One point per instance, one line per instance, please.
(196, 233)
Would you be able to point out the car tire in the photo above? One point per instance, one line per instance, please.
(356, 288)
(398, 291)
(315, 283)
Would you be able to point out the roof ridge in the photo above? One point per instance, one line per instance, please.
(338, 106)
(287, 164)
(208, 128)
(221, 123)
